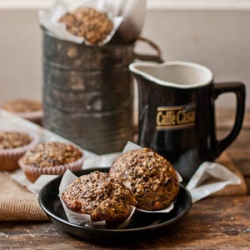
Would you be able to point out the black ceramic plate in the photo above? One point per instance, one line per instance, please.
(141, 223)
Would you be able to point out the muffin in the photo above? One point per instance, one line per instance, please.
(153, 179)
(51, 158)
(101, 197)
(13, 145)
(94, 26)
(26, 108)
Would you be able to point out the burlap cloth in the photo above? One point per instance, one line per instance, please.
(17, 203)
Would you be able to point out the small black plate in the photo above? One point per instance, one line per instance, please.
(140, 223)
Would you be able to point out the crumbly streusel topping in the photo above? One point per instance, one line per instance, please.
(100, 196)
(10, 140)
(88, 23)
(153, 179)
(22, 106)
(49, 154)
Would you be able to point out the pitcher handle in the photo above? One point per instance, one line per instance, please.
(238, 89)
(147, 57)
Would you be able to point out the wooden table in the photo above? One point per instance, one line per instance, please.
(212, 223)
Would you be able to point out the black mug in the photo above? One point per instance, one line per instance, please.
(177, 112)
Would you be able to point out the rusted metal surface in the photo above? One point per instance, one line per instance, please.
(88, 93)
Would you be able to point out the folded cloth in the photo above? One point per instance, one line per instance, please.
(18, 203)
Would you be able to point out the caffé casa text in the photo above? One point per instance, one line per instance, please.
(174, 118)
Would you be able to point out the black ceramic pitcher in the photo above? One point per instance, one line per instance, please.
(177, 112)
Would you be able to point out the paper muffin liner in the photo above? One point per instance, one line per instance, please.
(32, 173)
(132, 146)
(35, 116)
(85, 219)
(9, 157)
(48, 20)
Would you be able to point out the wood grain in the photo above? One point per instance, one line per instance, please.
(212, 223)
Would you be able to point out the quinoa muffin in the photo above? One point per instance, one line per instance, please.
(153, 180)
(51, 158)
(13, 145)
(101, 197)
(94, 26)
(26, 108)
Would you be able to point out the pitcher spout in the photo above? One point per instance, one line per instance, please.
(173, 74)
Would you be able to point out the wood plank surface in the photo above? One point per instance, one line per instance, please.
(211, 223)
(239, 150)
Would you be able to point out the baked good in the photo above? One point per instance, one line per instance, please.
(51, 158)
(13, 145)
(26, 108)
(94, 26)
(101, 197)
(153, 179)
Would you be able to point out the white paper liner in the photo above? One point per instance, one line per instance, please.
(209, 178)
(35, 116)
(165, 210)
(218, 175)
(132, 146)
(49, 19)
(133, 12)
(83, 219)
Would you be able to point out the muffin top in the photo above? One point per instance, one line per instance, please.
(88, 23)
(53, 153)
(153, 180)
(101, 197)
(11, 140)
(22, 106)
